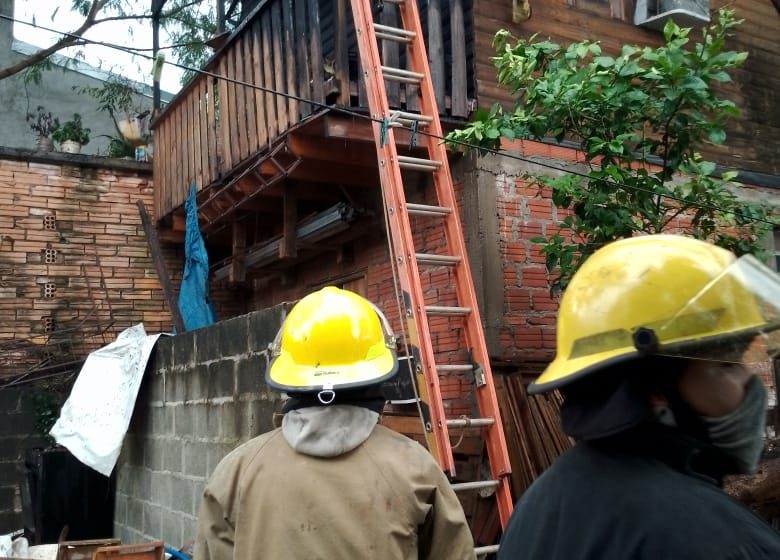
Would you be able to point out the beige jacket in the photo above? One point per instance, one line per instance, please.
(331, 485)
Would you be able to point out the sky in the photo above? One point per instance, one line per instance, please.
(56, 14)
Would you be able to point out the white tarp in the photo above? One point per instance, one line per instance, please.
(94, 419)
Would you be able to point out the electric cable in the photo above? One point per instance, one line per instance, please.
(356, 114)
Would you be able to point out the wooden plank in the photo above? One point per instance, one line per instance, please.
(237, 263)
(315, 52)
(196, 155)
(290, 60)
(390, 55)
(213, 132)
(226, 161)
(268, 80)
(239, 123)
(280, 82)
(159, 169)
(302, 43)
(459, 91)
(159, 265)
(257, 72)
(287, 245)
(204, 130)
(436, 51)
(249, 95)
(341, 57)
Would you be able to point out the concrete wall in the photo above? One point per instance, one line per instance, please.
(55, 92)
(17, 434)
(202, 396)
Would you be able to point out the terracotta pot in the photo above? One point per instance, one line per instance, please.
(71, 147)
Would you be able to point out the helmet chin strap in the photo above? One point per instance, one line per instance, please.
(327, 395)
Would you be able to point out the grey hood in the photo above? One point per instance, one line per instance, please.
(328, 431)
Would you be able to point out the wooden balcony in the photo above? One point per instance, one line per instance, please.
(264, 112)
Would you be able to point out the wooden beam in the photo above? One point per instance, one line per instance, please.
(159, 265)
(342, 57)
(321, 149)
(237, 264)
(287, 247)
(359, 130)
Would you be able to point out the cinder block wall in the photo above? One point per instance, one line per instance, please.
(17, 434)
(202, 396)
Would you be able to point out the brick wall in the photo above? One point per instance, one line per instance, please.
(75, 266)
(202, 396)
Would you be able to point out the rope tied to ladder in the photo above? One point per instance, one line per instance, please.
(383, 126)
(413, 135)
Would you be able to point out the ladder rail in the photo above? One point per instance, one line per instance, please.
(497, 449)
(390, 174)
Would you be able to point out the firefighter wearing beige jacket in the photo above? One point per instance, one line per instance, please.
(330, 483)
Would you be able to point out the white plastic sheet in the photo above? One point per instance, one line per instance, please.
(94, 419)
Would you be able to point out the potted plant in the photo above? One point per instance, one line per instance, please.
(72, 135)
(43, 124)
(117, 97)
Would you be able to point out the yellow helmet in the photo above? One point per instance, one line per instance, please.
(332, 339)
(658, 294)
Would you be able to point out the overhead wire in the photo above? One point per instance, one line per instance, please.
(413, 129)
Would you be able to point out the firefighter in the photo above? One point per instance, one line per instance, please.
(331, 483)
(658, 342)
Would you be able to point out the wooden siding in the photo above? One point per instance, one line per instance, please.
(752, 138)
(216, 127)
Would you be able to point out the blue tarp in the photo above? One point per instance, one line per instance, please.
(194, 304)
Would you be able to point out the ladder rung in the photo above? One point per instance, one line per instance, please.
(427, 258)
(445, 310)
(426, 210)
(483, 550)
(401, 75)
(419, 164)
(470, 422)
(476, 485)
(394, 33)
(454, 367)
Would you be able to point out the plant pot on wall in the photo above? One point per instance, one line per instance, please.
(44, 144)
(71, 147)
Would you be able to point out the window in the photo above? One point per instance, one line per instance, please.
(776, 249)
(618, 9)
(685, 13)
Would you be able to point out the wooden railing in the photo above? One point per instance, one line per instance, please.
(286, 51)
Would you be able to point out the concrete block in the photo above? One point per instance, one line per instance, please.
(172, 455)
(183, 350)
(233, 335)
(156, 386)
(10, 470)
(153, 454)
(259, 417)
(207, 420)
(135, 515)
(120, 509)
(250, 372)
(195, 458)
(184, 420)
(183, 496)
(171, 529)
(188, 528)
(142, 484)
(152, 526)
(207, 344)
(162, 356)
(17, 424)
(263, 326)
(232, 421)
(161, 488)
(161, 420)
(221, 378)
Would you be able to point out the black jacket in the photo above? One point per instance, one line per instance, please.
(599, 501)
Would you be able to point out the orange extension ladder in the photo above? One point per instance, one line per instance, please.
(408, 261)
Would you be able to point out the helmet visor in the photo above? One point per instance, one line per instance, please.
(734, 318)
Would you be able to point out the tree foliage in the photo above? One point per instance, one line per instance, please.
(638, 118)
(188, 24)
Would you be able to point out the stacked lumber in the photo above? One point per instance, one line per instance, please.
(532, 427)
